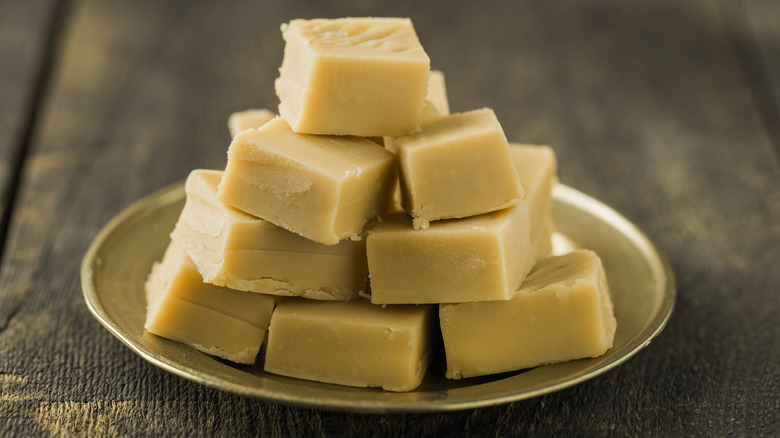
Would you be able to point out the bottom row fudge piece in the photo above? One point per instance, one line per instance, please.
(212, 319)
(240, 251)
(481, 258)
(351, 343)
(562, 312)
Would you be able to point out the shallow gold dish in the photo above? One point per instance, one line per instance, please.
(642, 284)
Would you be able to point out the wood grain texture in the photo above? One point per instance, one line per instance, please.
(645, 103)
(25, 28)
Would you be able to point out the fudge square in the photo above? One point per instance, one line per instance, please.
(537, 167)
(234, 249)
(215, 320)
(355, 76)
(562, 312)
(240, 121)
(322, 187)
(437, 97)
(480, 258)
(353, 343)
(437, 93)
(458, 166)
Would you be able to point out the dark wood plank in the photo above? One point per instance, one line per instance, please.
(645, 103)
(25, 28)
(764, 32)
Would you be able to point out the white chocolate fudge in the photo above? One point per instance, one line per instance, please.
(480, 258)
(324, 188)
(561, 312)
(353, 76)
(352, 343)
(215, 320)
(234, 249)
(248, 119)
(537, 167)
(457, 166)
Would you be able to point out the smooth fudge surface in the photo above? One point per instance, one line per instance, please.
(561, 312)
(352, 343)
(439, 103)
(458, 166)
(353, 76)
(215, 320)
(322, 187)
(537, 167)
(437, 93)
(234, 249)
(480, 258)
(248, 119)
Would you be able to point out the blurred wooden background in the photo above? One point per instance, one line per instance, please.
(665, 110)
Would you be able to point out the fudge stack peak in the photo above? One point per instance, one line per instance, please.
(378, 37)
(353, 76)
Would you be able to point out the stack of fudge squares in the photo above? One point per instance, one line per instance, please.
(364, 226)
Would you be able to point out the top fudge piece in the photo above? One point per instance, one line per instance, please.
(458, 166)
(354, 76)
(324, 188)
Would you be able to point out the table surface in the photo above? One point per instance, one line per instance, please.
(665, 110)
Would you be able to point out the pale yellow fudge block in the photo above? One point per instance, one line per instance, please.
(248, 119)
(234, 249)
(354, 76)
(439, 104)
(352, 343)
(324, 188)
(457, 166)
(545, 244)
(437, 93)
(561, 312)
(215, 320)
(437, 96)
(537, 167)
(480, 258)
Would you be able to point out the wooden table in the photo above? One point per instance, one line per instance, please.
(667, 111)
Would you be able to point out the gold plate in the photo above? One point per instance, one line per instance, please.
(642, 285)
